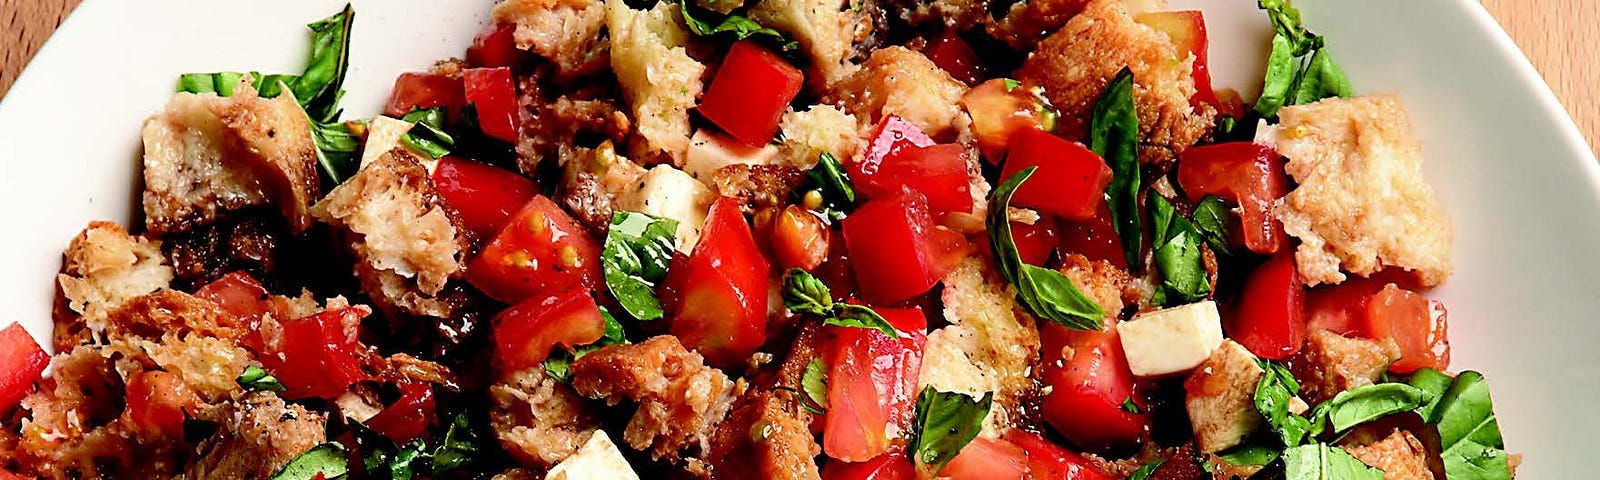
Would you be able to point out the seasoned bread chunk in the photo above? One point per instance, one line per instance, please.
(768, 436)
(539, 420)
(1400, 455)
(258, 437)
(1220, 398)
(566, 32)
(823, 28)
(206, 155)
(989, 346)
(1330, 363)
(105, 267)
(822, 129)
(1362, 203)
(658, 78)
(679, 398)
(899, 81)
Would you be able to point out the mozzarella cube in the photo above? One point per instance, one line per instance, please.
(1174, 340)
(710, 151)
(1220, 398)
(668, 192)
(597, 459)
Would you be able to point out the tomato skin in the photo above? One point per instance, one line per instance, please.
(721, 307)
(23, 361)
(7, 475)
(540, 251)
(1187, 29)
(954, 56)
(318, 354)
(1089, 388)
(872, 385)
(485, 196)
(237, 293)
(1035, 242)
(939, 172)
(1095, 238)
(896, 251)
(157, 401)
(495, 47)
(891, 135)
(409, 417)
(425, 90)
(998, 113)
(1246, 174)
(750, 92)
(1420, 326)
(889, 466)
(799, 239)
(1070, 181)
(1269, 315)
(1047, 460)
(494, 97)
(525, 333)
(988, 459)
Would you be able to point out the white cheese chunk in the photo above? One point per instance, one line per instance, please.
(710, 151)
(1220, 398)
(1173, 340)
(597, 459)
(668, 192)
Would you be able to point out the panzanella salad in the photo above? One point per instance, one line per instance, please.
(747, 239)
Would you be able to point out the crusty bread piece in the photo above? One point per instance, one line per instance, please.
(989, 346)
(208, 365)
(1330, 363)
(1220, 398)
(658, 78)
(1400, 455)
(105, 267)
(566, 32)
(899, 81)
(1362, 203)
(823, 28)
(258, 437)
(206, 155)
(823, 128)
(680, 400)
(539, 420)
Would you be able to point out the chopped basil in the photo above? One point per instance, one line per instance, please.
(427, 133)
(1250, 455)
(804, 293)
(1211, 219)
(1434, 382)
(638, 250)
(945, 422)
(828, 179)
(1045, 293)
(739, 26)
(220, 83)
(338, 150)
(1273, 393)
(1318, 461)
(1299, 69)
(1130, 407)
(1177, 255)
(458, 447)
(254, 379)
(814, 386)
(399, 464)
(1011, 84)
(1286, 23)
(1320, 79)
(1278, 87)
(1469, 435)
(327, 459)
(559, 364)
(1114, 135)
(1367, 403)
(319, 87)
(1144, 471)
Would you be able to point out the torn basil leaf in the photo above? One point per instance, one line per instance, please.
(945, 422)
(1435, 383)
(458, 448)
(1114, 135)
(338, 150)
(402, 464)
(1045, 293)
(1144, 471)
(1320, 79)
(638, 250)
(829, 180)
(1272, 398)
(814, 386)
(1177, 255)
(320, 86)
(327, 459)
(427, 133)
(1367, 403)
(741, 27)
(1278, 87)
(860, 316)
(1129, 406)
(1286, 23)
(1250, 455)
(805, 293)
(254, 379)
(1319, 461)
(1469, 435)
(1211, 220)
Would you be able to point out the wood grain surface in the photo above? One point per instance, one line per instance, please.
(1560, 37)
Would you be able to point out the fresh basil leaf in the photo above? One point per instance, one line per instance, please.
(860, 316)
(1321, 79)
(427, 133)
(1177, 255)
(945, 422)
(1277, 89)
(739, 26)
(338, 151)
(327, 459)
(1211, 220)
(638, 250)
(1130, 407)
(1318, 461)
(220, 83)
(1273, 393)
(559, 364)
(458, 448)
(320, 86)
(1045, 293)
(1114, 135)
(1286, 22)
(1144, 471)
(1250, 455)
(836, 193)
(814, 386)
(1435, 383)
(399, 464)
(254, 379)
(1011, 84)
(1469, 435)
(1371, 402)
(805, 293)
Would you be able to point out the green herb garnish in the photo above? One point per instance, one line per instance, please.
(1144, 471)
(427, 133)
(1318, 461)
(327, 459)
(254, 379)
(1273, 393)
(1211, 220)
(804, 293)
(1114, 135)
(741, 27)
(828, 180)
(814, 386)
(638, 250)
(1177, 255)
(1469, 435)
(1045, 293)
(945, 422)
(1367, 403)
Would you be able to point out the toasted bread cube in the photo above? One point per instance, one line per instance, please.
(658, 78)
(902, 82)
(823, 28)
(989, 345)
(1220, 397)
(105, 267)
(822, 129)
(566, 32)
(1400, 455)
(1173, 340)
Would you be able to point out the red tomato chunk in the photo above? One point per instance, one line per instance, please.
(872, 383)
(409, 417)
(721, 290)
(22, 361)
(889, 466)
(541, 251)
(999, 111)
(896, 250)
(157, 401)
(953, 55)
(1244, 173)
(750, 92)
(1378, 308)
(892, 135)
(485, 196)
(495, 47)
(939, 172)
(1089, 388)
(1048, 460)
(1269, 315)
(1187, 29)
(525, 333)
(494, 97)
(988, 459)
(1070, 182)
(319, 354)
(425, 90)
(1095, 238)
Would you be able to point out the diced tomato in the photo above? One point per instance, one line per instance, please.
(999, 111)
(1244, 173)
(721, 310)
(1070, 182)
(889, 466)
(750, 92)
(425, 90)
(484, 195)
(156, 402)
(541, 251)
(7, 475)
(21, 362)
(1089, 381)
(838, 272)
(409, 417)
(891, 135)
(494, 97)
(318, 355)
(1095, 238)
(1187, 29)
(939, 172)
(1035, 242)
(799, 239)
(1342, 308)
(988, 459)
(238, 293)
(896, 250)
(525, 333)
(872, 383)
(1269, 314)
(1047, 460)
(495, 47)
(953, 55)
(1419, 325)
(1230, 103)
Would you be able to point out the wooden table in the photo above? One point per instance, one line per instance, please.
(1559, 36)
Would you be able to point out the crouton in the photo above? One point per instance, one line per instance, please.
(165, 312)
(60, 436)
(256, 439)
(1025, 23)
(954, 15)
(401, 230)
(822, 129)
(757, 187)
(902, 82)
(988, 335)
(566, 32)
(105, 267)
(680, 399)
(767, 435)
(208, 365)
(1110, 287)
(1362, 203)
(206, 155)
(539, 420)
(1220, 398)
(1075, 64)
(823, 28)
(592, 181)
(658, 78)
(1400, 455)
(1329, 364)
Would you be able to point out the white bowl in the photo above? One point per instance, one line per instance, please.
(1516, 176)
